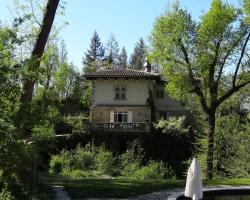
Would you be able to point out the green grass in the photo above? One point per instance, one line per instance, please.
(122, 188)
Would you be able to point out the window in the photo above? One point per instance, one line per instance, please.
(121, 117)
(159, 94)
(120, 92)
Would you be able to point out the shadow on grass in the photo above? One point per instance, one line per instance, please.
(122, 188)
(109, 188)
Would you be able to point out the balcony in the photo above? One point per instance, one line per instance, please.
(136, 127)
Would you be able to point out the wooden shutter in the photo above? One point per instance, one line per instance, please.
(130, 117)
(112, 116)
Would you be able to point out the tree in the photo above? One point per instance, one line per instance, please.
(207, 61)
(112, 52)
(49, 66)
(123, 59)
(94, 56)
(34, 61)
(139, 55)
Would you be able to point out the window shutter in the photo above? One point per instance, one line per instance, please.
(112, 116)
(129, 116)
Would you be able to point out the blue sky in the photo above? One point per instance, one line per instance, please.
(128, 20)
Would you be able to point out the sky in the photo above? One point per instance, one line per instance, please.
(128, 20)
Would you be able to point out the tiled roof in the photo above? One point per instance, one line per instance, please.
(121, 73)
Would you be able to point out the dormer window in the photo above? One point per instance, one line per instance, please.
(120, 92)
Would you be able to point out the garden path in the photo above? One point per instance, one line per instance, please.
(61, 194)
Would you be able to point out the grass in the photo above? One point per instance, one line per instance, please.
(45, 192)
(122, 188)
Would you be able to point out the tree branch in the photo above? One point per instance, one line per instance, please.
(231, 92)
(197, 89)
(240, 59)
(212, 82)
(33, 13)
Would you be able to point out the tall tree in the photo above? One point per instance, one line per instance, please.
(138, 57)
(34, 62)
(112, 52)
(94, 56)
(123, 59)
(207, 61)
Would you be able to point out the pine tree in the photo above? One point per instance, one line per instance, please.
(94, 56)
(123, 58)
(112, 52)
(137, 59)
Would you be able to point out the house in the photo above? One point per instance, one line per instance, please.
(126, 102)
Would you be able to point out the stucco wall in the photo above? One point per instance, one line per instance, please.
(166, 103)
(137, 91)
(139, 114)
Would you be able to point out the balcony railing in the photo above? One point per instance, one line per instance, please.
(136, 127)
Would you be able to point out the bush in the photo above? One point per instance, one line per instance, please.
(129, 170)
(60, 162)
(105, 162)
(12, 188)
(83, 158)
(154, 170)
(5, 194)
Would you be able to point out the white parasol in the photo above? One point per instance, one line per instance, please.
(194, 184)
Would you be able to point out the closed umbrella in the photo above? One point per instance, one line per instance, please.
(194, 184)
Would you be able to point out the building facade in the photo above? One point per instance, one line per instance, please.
(129, 101)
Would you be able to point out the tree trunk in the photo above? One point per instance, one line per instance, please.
(210, 145)
(38, 49)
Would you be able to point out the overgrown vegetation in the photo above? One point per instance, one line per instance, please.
(97, 161)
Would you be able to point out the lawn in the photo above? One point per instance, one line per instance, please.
(121, 188)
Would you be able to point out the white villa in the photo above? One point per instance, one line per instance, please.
(128, 101)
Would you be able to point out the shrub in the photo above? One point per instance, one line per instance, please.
(105, 162)
(11, 187)
(60, 162)
(84, 159)
(129, 170)
(5, 194)
(154, 170)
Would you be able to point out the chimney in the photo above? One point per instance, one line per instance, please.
(147, 66)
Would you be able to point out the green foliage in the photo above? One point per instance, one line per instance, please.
(41, 133)
(134, 154)
(154, 170)
(247, 10)
(139, 55)
(93, 58)
(129, 169)
(123, 58)
(97, 161)
(60, 162)
(76, 173)
(87, 96)
(232, 144)
(112, 52)
(105, 162)
(12, 187)
(5, 194)
(173, 125)
(197, 57)
(75, 121)
(84, 158)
